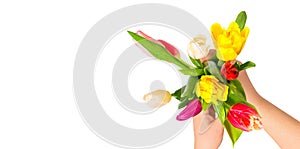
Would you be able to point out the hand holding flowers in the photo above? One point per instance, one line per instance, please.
(212, 79)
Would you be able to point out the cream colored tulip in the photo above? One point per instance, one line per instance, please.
(157, 98)
(197, 48)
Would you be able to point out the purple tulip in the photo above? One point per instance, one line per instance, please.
(191, 110)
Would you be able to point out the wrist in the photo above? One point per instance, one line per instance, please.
(251, 94)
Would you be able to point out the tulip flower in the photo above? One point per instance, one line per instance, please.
(171, 49)
(210, 89)
(192, 109)
(229, 71)
(157, 98)
(211, 53)
(197, 48)
(230, 42)
(244, 117)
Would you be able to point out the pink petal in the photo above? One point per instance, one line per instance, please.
(210, 54)
(191, 110)
(172, 50)
(169, 47)
(139, 32)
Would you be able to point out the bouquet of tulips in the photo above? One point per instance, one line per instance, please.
(212, 82)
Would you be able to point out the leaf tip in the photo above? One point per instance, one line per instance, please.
(130, 33)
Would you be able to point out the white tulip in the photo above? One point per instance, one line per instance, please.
(197, 47)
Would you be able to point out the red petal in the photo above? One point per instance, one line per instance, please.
(240, 116)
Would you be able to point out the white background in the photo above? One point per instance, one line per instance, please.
(39, 40)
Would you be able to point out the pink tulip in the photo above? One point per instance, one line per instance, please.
(171, 49)
(244, 117)
(210, 54)
(191, 110)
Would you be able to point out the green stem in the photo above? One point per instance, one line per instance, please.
(227, 105)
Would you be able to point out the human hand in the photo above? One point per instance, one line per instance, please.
(284, 129)
(208, 130)
(251, 93)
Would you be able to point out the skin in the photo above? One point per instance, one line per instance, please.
(212, 138)
(282, 128)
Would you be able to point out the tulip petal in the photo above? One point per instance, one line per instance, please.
(244, 117)
(139, 32)
(216, 30)
(230, 42)
(169, 47)
(210, 54)
(210, 89)
(229, 71)
(191, 110)
(157, 98)
(197, 47)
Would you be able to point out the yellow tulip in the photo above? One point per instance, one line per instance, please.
(210, 89)
(230, 42)
(157, 98)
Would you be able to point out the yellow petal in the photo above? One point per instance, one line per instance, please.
(223, 94)
(216, 30)
(226, 54)
(245, 32)
(224, 41)
(233, 27)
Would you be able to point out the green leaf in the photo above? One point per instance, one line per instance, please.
(241, 19)
(204, 105)
(246, 65)
(221, 111)
(189, 91)
(237, 65)
(220, 63)
(197, 71)
(236, 89)
(214, 70)
(178, 92)
(234, 133)
(184, 102)
(206, 72)
(196, 62)
(234, 99)
(161, 53)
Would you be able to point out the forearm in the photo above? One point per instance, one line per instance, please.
(284, 129)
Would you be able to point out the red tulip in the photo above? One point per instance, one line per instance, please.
(244, 117)
(171, 49)
(191, 110)
(229, 71)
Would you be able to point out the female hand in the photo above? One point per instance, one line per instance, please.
(208, 131)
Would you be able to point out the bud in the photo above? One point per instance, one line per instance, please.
(229, 71)
(171, 49)
(197, 48)
(244, 117)
(210, 89)
(157, 98)
(191, 110)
